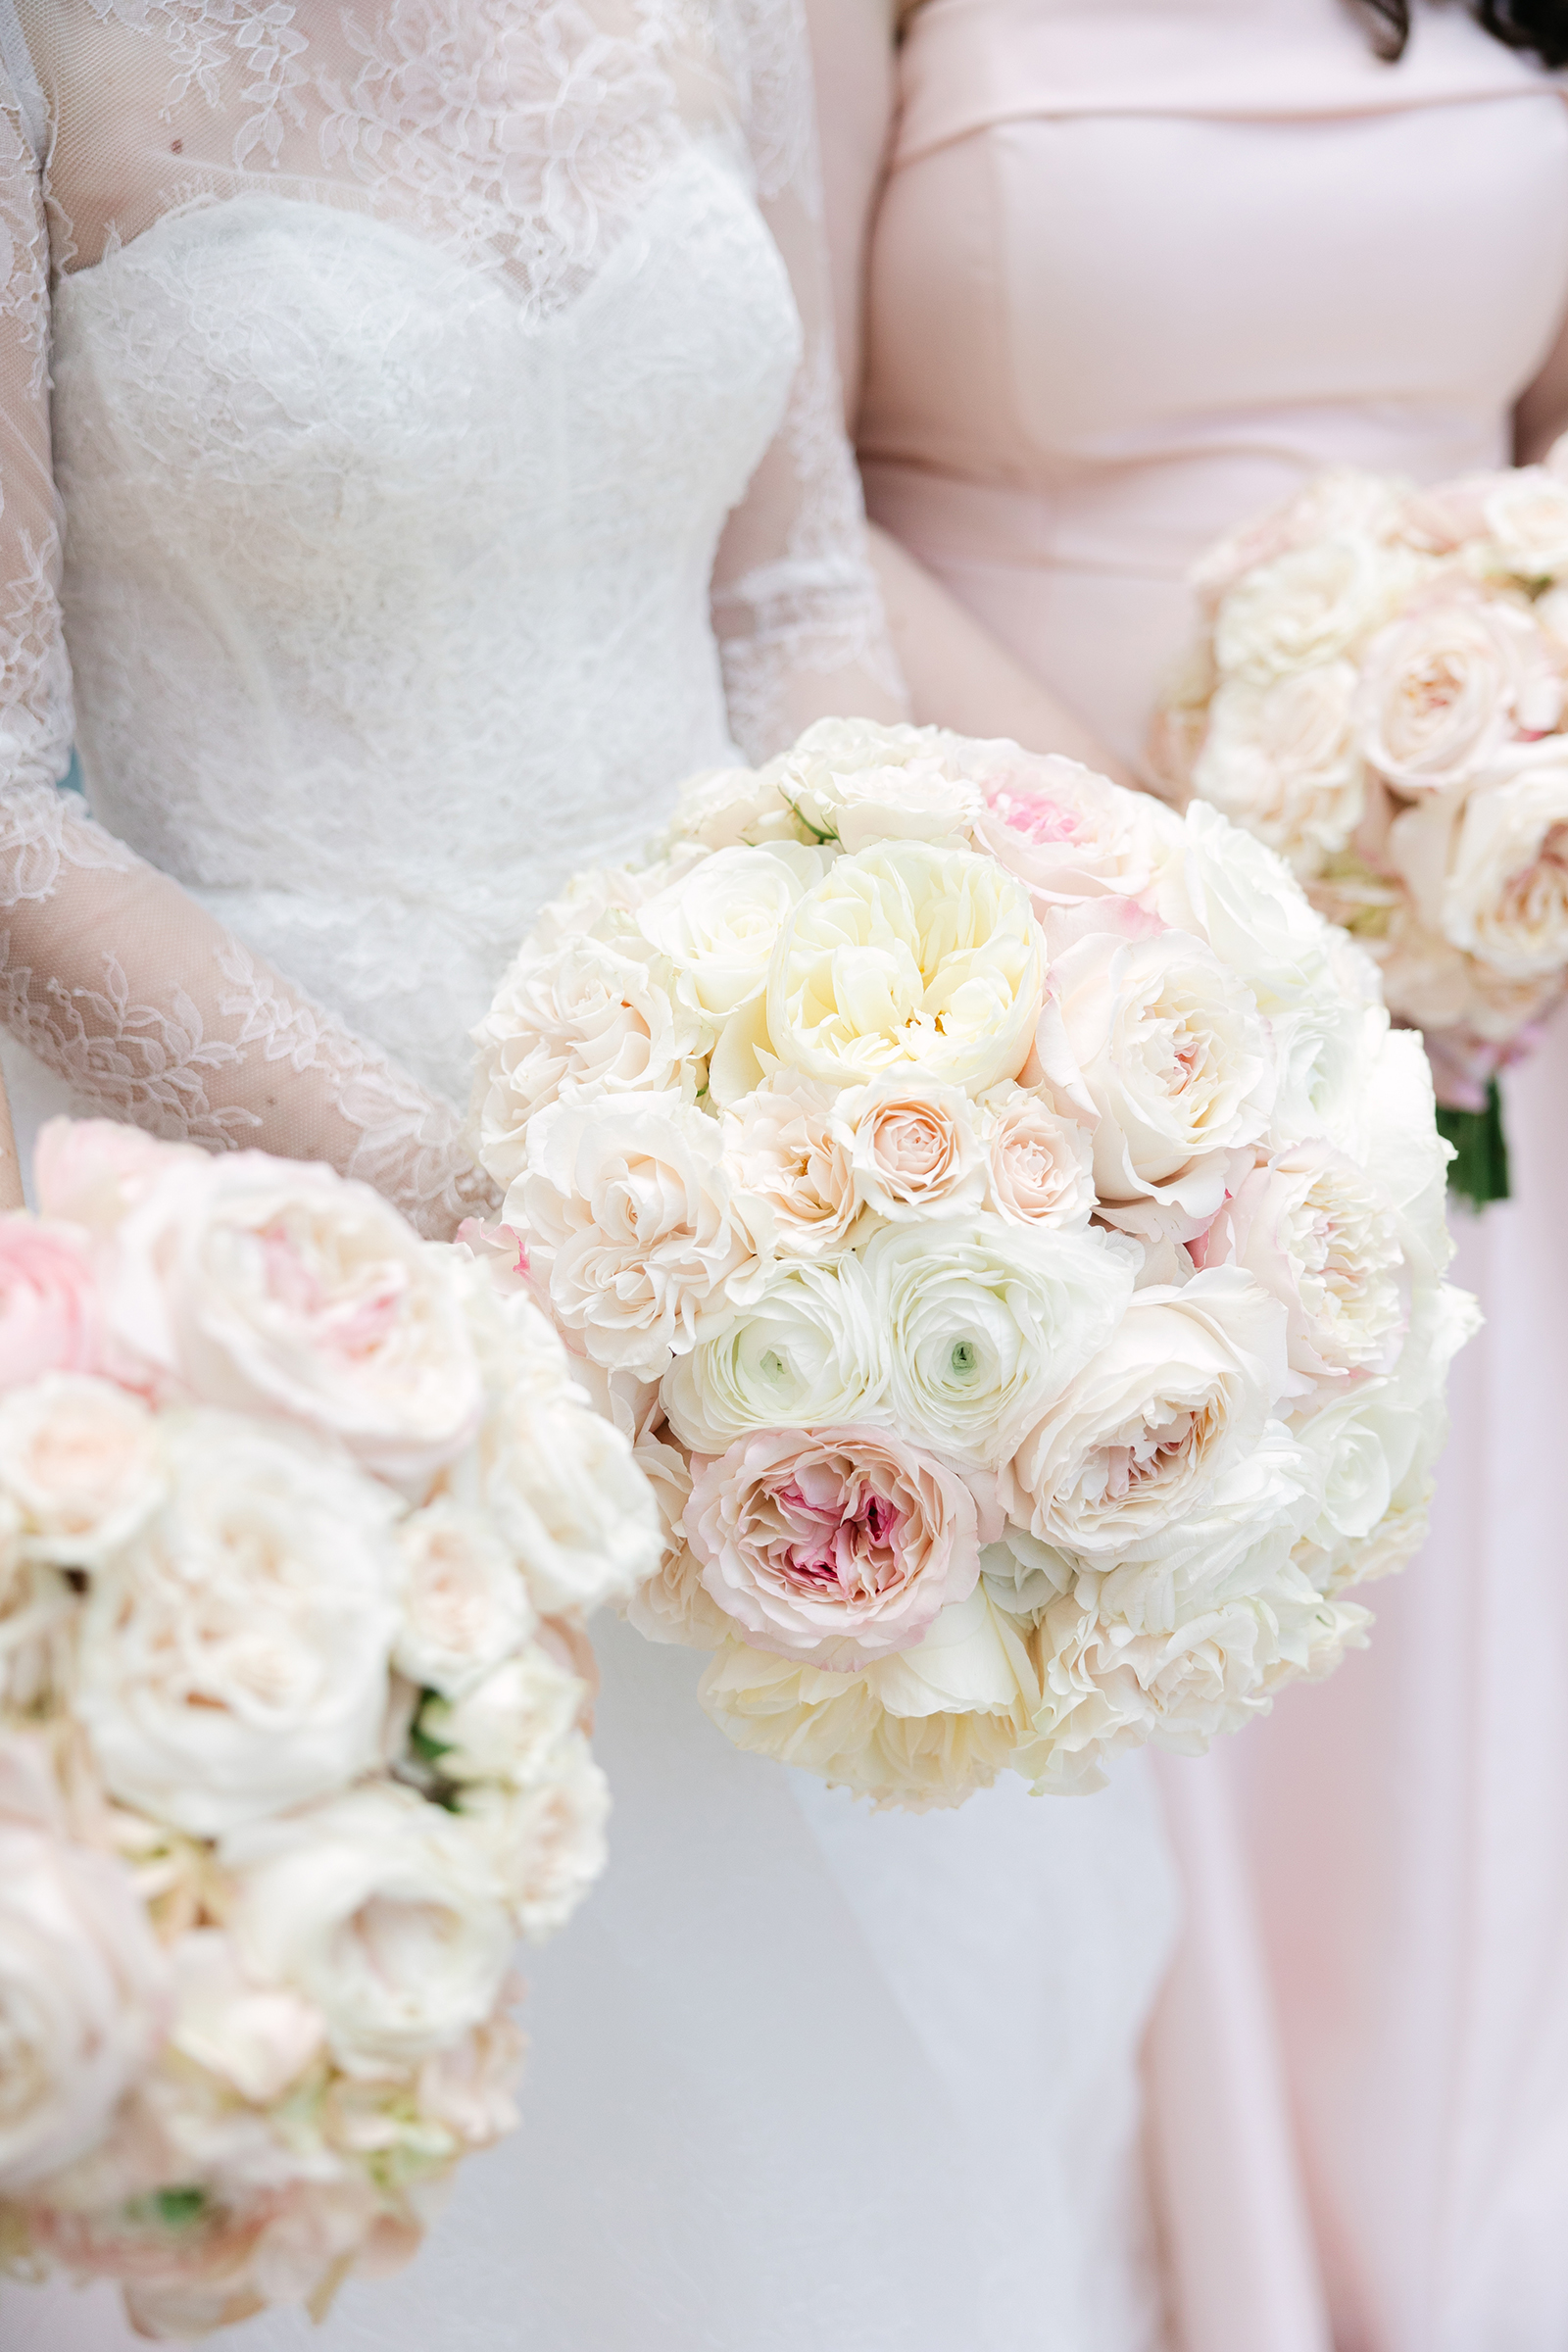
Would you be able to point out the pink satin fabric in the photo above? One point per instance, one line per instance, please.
(1137, 271)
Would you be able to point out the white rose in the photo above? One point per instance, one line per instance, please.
(80, 1460)
(83, 1997)
(380, 1909)
(856, 782)
(1174, 1058)
(717, 925)
(1067, 833)
(271, 1286)
(789, 1162)
(234, 1658)
(1039, 1166)
(908, 956)
(546, 1844)
(511, 1726)
(587, 1017)
(463, 1606)
(561, 1484)
(1527, 518)
(1319, 1234)
(634, 1226)
(1505, 897)
(1279, 756)
(984, 1323)
(913, 1147)
(259, 2038)
(806, 1352)
(1183, 1389)
(1311, 605)
(1446, 687)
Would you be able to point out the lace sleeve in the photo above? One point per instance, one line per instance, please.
(107, 971)
(795, 604)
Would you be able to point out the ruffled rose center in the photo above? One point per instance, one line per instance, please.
(1037, 817)
(838, 1534)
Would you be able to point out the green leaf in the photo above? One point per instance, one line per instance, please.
(1479, 1171)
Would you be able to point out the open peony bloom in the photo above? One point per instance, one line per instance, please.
(837, 1546)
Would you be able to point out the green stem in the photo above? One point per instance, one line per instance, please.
(1479, 1172)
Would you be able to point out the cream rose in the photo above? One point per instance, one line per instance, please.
(913, 1147)
(81, 1461)
(1183, 1389)
(259, 2038)
(1039, 1166)
(83, 1998)
(983, 1323)
(909, 956)
(1447, 686)
(511, 1726)
(1174, 1058)
(1319, 1234)
(271, 1286)
(1280, 757)
(789, 1162)
(807, 1351)
(854, 782)
(463, 1606)
(563, 1488)
(588, 1016)
(383, 1911)
(1505, 895)
(1314, 604)
(716, 926)
(633, 1223)
(234, 1658)
(838, 1545)
(545, 1843)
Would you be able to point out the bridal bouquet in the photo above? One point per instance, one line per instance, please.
(1381, 694)
(298, 1517)
(1005, 1222)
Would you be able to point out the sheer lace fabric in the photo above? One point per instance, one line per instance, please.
(421, 369)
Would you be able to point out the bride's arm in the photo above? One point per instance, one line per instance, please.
(108, 971)
(959, 676)
(1543, 413)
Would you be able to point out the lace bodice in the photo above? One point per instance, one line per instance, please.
(444, 432)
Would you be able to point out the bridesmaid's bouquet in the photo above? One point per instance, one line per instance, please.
(298, 1518)
(1001, 1216)
(1381, 695)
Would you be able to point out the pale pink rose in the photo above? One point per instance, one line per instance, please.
(51, 1319)
(546, 1844)
(1526, 520)
(1446, 516)
(1066, 832)
(1040, 1165)
(1505, 893)
(1279, 759)
(83, 1996)
(472, 2089)
(81, 1461)
(93, 1172)
(833, 1545)
(258, 2037)
(790, 1164)
(1448, 685)
(913, 1148)
(1318, 1234)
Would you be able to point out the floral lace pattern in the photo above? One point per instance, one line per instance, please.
(348, 602)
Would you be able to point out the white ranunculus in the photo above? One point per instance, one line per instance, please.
(234, 1656)
(1446, 687)
(1039, 1166)
(563, 1488)
(1280, 757)
(1319, 1234)
(1183, 1389)
(984, 1323)
(588, 1016)
(914, 1148)
(790, 1164)
(1313, 605)
(511, 1726)
(632, 1221)
(83, 1996)
(463, 1606)
(81, 1459)
(908, 956)
(383, 1911)
(273, 1287)
(1505, 895)
(716, 926)
(1175, 1059)
(805, 1351)
(545, 1843)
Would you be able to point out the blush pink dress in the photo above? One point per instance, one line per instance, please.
(1137, 271)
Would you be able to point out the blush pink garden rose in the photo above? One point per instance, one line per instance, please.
(1065, 834)
(789, 1161)
(913, 1147)
(51, 1319)
(833, 1546)
(1443, 688)
(1040, 1164)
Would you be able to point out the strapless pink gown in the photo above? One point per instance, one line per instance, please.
(1138, 269)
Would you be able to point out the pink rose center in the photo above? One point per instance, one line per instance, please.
(838, 1534)
(349, 1325)
(1036, 816)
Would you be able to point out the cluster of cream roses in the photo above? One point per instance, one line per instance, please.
(298, 1519)
(1381, 695)
(1006, 1224)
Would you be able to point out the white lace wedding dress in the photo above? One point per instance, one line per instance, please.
(407, 358)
